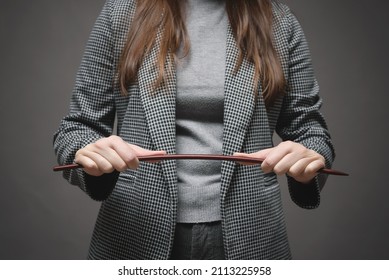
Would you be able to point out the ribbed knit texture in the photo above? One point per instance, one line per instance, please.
(199, 111)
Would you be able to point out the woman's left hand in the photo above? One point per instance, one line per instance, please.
(289, 158)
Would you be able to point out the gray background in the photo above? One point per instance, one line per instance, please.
(42, 217)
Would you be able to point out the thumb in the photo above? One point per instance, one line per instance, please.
(139, 151)
(264, 153)
(261, 155)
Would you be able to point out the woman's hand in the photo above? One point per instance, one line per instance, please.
(109, 154)
(290, 158)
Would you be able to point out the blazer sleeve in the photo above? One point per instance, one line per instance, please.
(300, 120)
(92, 108)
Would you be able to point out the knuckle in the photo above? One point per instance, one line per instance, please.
(104, 166)
(310, 170)
(129, 159)
(114, 139)
(292, 174)
(91, 167)
(301, 148)
(88, 165)
(122, 167)
(107, 169)
(103, 142)
(295, 172)
(134, 164)
(265, 167)
(287, 143)
(269, 162)
(99, 144)
(314, 153)
(78, 154)
(87, 147)
(118, 141)
(278, 170)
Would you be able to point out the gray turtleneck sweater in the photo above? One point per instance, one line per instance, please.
(199, 111)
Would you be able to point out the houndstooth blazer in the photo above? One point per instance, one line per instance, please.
(138, 210)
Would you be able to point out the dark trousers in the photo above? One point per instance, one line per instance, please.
(201, 241)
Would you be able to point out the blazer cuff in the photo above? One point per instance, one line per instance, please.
(306, 195)
(98, 187)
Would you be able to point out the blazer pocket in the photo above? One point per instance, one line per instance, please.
(270, 180)
(124, 191)
(126, 178)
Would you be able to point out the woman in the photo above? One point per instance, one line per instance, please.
(208, 76)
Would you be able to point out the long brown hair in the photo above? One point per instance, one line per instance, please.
(251, 22)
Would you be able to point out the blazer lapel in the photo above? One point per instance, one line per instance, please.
(239, 103)
(160, 111)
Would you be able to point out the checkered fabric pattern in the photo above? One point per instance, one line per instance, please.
(138, 210)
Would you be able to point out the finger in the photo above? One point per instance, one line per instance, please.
(257, 155)
(274, 156)
(102, 163)
(314, 167)
(245, 155)
(310, 171)
(139, 151)
(108, 149)
(125, 152)
(298, 168)
(117, 160)
(88, 165)
(262, 154)
(284, 165)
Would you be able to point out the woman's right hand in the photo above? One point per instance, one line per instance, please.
(109, 154)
